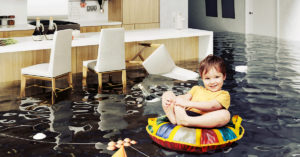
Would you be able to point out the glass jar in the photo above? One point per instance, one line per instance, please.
(4, 20)
(11, 20)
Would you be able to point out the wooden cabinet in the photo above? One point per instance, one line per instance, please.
(90, 29)
(18, 33)
(87, 29)
(139, 13)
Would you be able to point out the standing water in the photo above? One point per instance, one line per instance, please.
(263, 78)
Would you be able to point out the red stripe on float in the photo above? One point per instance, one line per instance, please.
(208, 136)
(186, 148)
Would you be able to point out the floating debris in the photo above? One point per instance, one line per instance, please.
(241, 68)
(39, 136)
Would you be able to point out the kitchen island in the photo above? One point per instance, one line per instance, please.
(182, 44)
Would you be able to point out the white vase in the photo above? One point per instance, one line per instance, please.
(179, 21)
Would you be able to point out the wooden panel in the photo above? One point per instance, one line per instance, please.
(115, 10)
(128, 27)
(140, 11)
(5, 34)
(154, 11)
(74, 60)
(22, 33)
(90, 29)
(179, 49)
(147, 26)
(96, 28)
(12, 63)
(85, 53)
(19, 33)
(111, 26)
(128, 11)
(131, 49)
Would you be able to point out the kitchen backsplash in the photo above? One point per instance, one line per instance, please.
(78, 13)
(19, 9)
(14, 7)
(170, 9)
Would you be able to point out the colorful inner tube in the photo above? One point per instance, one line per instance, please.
(190, 139)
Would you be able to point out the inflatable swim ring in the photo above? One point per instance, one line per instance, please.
(190, 139)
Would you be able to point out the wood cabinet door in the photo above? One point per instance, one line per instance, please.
(140, 11)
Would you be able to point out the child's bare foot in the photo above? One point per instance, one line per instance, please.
(169, 110)
(168, 105)
(181, 116)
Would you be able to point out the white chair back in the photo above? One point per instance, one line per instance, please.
(111, 51)
(159, 62)
(60, 58)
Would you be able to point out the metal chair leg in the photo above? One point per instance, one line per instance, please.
(99, 83)
(70, 80)
(53, 91)
(23, 84)
(84, 75)
(124, 81)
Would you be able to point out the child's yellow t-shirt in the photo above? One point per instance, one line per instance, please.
(200, 93)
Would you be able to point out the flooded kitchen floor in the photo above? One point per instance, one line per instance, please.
(263, 79)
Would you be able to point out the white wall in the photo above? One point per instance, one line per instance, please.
(66, 10)
(289, 19)
(15, 7)
(198, 18)
(169, 9)
(46, 8)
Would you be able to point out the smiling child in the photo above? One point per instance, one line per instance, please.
(208, 105)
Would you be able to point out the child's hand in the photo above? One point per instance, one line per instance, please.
(180, 101)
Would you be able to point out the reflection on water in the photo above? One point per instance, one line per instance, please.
(267, 94)
(263, 78)
(109, 120)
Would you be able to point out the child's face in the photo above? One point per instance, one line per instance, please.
(213, 80)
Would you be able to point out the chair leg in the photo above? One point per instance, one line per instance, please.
(23, 84)
(99, 83)
(124, 81)
(84, 75)
(70, 80)
(53, 91)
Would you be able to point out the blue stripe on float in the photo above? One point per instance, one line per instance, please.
(165, 130)
(227, 134)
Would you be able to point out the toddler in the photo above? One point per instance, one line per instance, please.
(210, 103)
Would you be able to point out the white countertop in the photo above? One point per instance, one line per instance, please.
(16, 27)
(86, 39)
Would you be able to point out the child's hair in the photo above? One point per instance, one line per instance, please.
(212, 61)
